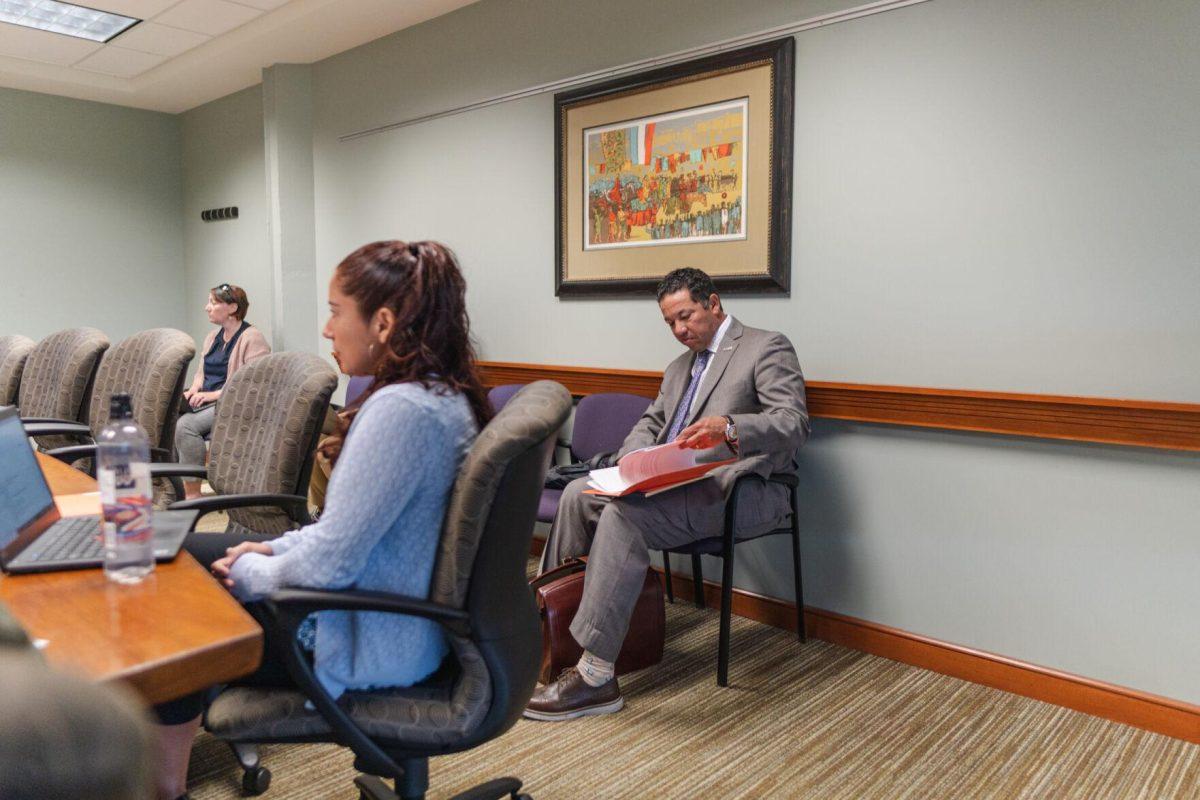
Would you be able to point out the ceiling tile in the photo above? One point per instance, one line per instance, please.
(49, 48)
(213, 17)
(138, 9)
(120, 62)
(265, 5)
(150, 37)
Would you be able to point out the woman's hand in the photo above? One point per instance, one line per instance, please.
(222, 566)
(200, 398)
(188, 395)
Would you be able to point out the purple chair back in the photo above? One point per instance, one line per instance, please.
(357, 385)
(602, 421)
(500, 395)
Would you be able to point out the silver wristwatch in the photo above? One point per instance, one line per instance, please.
(731, 434)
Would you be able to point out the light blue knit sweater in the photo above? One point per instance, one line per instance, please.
(379, 532)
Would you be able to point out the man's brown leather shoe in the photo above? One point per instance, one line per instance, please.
(570, 696)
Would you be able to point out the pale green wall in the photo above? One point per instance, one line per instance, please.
(90, 222)
(996, 195)
(223, 165)
(988, 195)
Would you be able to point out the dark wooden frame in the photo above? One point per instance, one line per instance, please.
(781, 54)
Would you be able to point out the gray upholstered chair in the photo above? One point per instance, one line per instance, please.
(150, 367)
(263, 439)
(58, 377)
(14, 351)
(478, 594)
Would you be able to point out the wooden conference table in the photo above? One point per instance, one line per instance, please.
(175, 633)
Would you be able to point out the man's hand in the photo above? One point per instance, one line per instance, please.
(703, 434)
(222, 566)
(188, 394)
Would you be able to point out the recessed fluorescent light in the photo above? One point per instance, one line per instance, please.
(56, 17)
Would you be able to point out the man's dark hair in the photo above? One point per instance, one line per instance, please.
(696, 281)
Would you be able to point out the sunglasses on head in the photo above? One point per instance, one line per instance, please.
(224, 293)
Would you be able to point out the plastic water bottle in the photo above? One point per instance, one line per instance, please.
(123, 471)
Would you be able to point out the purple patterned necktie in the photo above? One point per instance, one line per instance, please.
(686, 403)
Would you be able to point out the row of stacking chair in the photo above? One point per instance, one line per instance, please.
(270, 413)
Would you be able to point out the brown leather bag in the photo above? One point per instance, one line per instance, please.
(558, 592)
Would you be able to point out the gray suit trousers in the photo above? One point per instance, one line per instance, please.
(618, 535)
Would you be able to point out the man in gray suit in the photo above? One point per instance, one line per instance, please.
(736, 389)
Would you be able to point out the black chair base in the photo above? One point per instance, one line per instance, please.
(371, 787)
(256, 778)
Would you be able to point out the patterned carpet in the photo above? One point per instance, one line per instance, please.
(811, 721)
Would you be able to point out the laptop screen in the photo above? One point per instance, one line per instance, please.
(24, 495)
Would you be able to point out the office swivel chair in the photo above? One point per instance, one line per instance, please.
(478, 594)
(58, 377)
(264, 436)
(14, 351)
(150, 367)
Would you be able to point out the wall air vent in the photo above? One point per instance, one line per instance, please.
(216, 214)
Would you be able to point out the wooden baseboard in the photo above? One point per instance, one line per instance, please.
(1117, 703)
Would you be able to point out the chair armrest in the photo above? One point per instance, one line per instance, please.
(56, 428)
(27, 420)
(306, 601)
(784, 479)
(295, 505)
(168, 470)
(787, 479)
(287, 608)
(69, 455)
(781, 478)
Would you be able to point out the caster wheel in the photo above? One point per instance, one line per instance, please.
(256, 781)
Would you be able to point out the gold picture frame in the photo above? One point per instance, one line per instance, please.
(686, 165)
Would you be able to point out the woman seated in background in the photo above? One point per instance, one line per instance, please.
(232, 345)
(397, 312)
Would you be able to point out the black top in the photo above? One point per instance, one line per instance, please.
(216, 360)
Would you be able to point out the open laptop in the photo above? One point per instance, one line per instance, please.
(34, 538)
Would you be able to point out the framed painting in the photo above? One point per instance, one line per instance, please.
(683, 166)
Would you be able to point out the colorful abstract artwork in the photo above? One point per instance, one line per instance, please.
(685, 164)
(673, 178)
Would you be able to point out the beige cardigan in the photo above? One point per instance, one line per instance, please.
(249, 346)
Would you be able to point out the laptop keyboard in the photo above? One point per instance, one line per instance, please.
(70, 539)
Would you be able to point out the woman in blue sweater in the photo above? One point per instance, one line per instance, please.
(397, 313)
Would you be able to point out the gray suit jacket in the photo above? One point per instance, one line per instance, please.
(755, 378)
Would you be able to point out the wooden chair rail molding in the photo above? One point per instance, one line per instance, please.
(1141, 423)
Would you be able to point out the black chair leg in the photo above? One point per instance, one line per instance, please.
(797, 578)
(726, 612)
(698, 580)
(667, 576)
(413, 784)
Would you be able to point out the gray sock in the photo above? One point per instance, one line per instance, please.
(595, 671)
